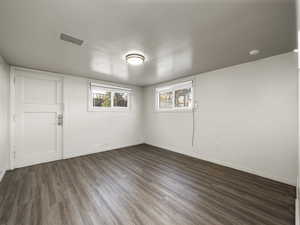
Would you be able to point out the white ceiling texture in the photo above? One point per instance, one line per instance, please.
(177, 37)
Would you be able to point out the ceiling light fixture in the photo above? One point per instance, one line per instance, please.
(295, 50)
(254, 52)
(135, 59)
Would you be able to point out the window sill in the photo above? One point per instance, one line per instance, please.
(108, 110)
(189, 110)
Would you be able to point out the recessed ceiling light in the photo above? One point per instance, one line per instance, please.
(135, 59)
(254, 52)
(296, 50)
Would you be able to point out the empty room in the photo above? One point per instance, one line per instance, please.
(149, 112)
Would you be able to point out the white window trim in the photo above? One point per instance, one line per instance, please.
(112, 89)
(173, 88)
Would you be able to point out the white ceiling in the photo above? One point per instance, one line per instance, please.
(178, 37)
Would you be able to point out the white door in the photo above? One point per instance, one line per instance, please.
(38, 118)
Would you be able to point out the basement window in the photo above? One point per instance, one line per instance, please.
(108, 98)
(175, 97)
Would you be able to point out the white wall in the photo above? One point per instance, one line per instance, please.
(4, 116)
(89, 132)
(85, 131)
(246, 119)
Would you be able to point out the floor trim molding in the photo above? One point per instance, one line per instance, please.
(111, 148)
(231, 165)
(2, 173)
(297, 221)
(297, 218)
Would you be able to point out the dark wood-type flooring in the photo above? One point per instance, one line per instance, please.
(141, 185)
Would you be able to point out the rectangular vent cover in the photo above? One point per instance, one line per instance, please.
(71, 39)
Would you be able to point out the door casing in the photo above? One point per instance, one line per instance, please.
(12, 113)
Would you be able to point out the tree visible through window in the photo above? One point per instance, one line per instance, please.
(102, 99)
(105, 97)
(177, 96)
(120, 99)
(183, 97)
(166, 100)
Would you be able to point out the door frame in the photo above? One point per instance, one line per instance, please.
(12, 112)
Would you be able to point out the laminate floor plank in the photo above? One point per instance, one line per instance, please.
(141, 185)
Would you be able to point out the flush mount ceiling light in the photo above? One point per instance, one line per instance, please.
(295, 50)
(254, 52)
(135, 59)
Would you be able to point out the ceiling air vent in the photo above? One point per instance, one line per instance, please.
(71, 39)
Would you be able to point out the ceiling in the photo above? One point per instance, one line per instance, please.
(178, 37)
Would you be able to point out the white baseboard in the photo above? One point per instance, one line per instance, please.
(233, 166)
(78, 154)
(297, 219)
(252, 171)
(2, 173)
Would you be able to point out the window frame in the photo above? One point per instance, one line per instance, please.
(173, 88)
(112, 90)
